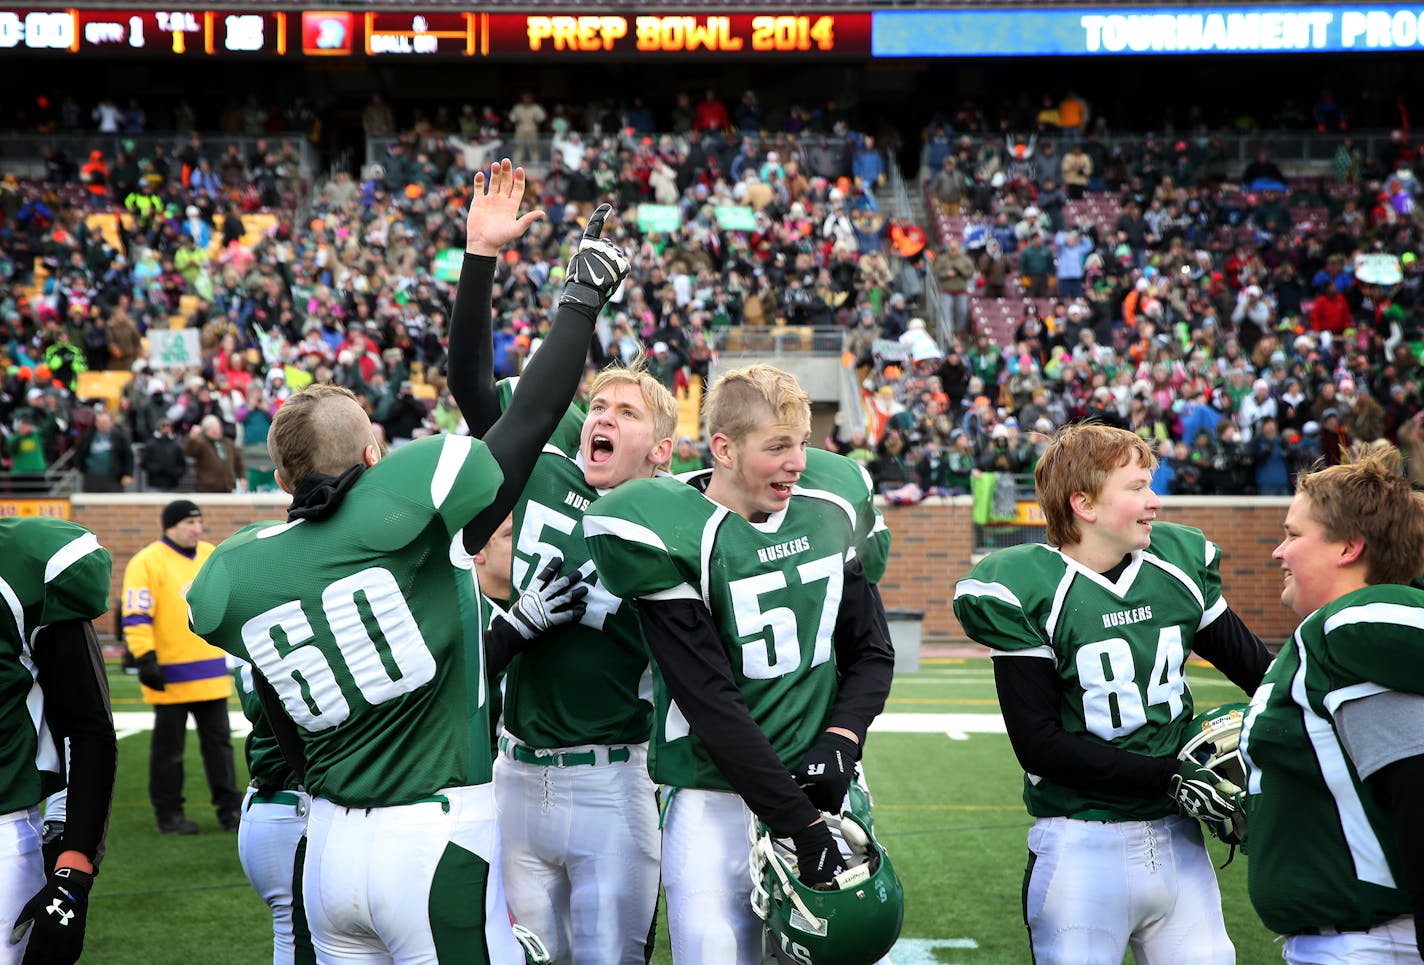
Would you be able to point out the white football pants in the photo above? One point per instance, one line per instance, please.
(1391, 943)
(267, 842)
(1096, 887)
(707, 880)
(580, 847)
(416, 884)
(21, 874)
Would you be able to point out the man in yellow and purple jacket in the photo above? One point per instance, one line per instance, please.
(180, 673)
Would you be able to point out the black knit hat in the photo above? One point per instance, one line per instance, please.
(179, 510)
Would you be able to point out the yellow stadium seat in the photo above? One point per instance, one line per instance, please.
(689, 411)
(106, 385)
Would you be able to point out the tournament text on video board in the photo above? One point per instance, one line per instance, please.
(432, 35)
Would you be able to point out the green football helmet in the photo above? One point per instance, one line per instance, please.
(854, 921)
(1214, 741)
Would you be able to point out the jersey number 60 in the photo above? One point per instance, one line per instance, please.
(374, 631)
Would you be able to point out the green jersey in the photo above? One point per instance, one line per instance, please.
(585, 682)
(265, 764)
(1119, 648)
(829, 472)
(51, 571)
(1323, 851)
(773, 590)
(367, 624)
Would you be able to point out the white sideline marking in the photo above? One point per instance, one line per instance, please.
(956, 727)
(921, 951)
(130, 722)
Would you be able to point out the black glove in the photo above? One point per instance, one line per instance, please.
(827, 769)
(52, 843)
(150, 674)
(818, 860)
(1203, 794)
(549, 601)
(55, 918)
(597, 268)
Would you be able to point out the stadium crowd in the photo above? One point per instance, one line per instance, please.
(1225, 315)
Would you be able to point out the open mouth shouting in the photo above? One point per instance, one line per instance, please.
(600, 449)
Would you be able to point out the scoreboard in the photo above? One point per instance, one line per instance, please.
(385, 35)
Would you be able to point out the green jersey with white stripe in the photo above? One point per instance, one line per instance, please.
(51, 571)
(569, 432)
(367, 623)
(585, 682)
(1119, 648)
(830, 472)
(773, 589)
(1323, 851)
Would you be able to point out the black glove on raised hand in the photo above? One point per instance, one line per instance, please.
(827, 769)
(818, 860)
(550, 600)
(150, 674)
(597, 268)
(55, 919)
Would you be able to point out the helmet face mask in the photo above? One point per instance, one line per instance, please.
(534, 951)
(1215, 741)
(855, 921)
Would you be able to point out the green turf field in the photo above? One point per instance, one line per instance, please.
(948, 809)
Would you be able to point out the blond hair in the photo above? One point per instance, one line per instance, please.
(1079, 460)
(660, 401)
(1367, 497)
(743, 400)
(321, 429)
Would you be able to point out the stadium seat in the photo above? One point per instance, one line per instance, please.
(105, 385)
(689, 411)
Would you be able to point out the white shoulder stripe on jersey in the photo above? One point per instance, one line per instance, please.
(683, 591)
(1335, 698)
(1211, 551)
(624, 529)
(1209, 616)
(454, 452)
(1365, 849)
(1043, 651)
(1177, 574)
(879, 526)
(995, 591)
(704, 554)
(832, 498)
(552, 450)
(1398, 614)
(69, 554)
(7, 592)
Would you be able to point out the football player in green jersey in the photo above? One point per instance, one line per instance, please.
(1091, 634)
(54, 577)
(360, 617)
(578, 812)
(1334, 740)
(770, 654)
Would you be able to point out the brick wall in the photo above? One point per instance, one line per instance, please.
(933, 547)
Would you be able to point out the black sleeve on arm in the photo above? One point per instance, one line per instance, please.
(1233, 649)
(684, 642)
(865, 656)
(502, 644)
(469, 365)
(1029, 700)
(1400, 788)
(76, 697)
(289, 741)
(540, 401)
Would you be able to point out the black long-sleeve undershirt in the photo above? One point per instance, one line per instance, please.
(470, 356)
(1030, 697)
(683, 639)
(76, 695)
(1400, 788)
(517, 437)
